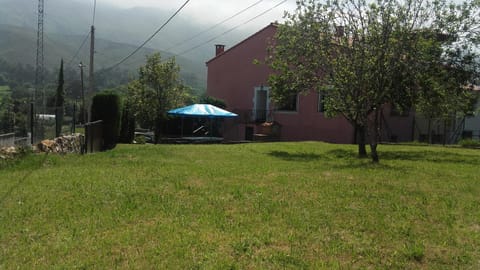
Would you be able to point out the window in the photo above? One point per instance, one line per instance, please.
(322, 97)
(321, 102)
(261, 104)
(289, 104)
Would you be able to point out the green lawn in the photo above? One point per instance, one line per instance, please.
(249, 206)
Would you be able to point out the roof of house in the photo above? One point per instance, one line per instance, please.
(274, 25)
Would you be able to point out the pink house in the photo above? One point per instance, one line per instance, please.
(235, 77)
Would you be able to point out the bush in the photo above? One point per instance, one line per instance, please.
(469, 143)
(140, 139)
(107, 107)
(213, 101)
(127, 130)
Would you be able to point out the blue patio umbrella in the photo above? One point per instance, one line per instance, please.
(201, 111)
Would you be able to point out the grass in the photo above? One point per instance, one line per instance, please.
(252, 206)
(469, 143)
(4, 90)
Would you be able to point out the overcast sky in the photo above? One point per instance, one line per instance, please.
(214, 11)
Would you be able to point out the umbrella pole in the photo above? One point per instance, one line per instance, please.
(211, 126)
(181, 128)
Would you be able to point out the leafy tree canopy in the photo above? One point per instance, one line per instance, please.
(364, 55)
(157, 90)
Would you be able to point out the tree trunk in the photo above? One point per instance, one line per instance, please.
(444, 132)
(429, 131)
(374, 138)
(374, 153)
(158, 130)
(362, 150)
(58, 123)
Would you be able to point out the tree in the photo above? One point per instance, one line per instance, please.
(364, 56)
(7, 116)
(157, 90)
(441, 98)
(106, 106)
(127, 127)
(59, 100)
(205, 99)
(444, 90)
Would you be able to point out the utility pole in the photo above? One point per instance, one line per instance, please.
(84, 112)
(91, 83)
(39, 67)
(39, 70)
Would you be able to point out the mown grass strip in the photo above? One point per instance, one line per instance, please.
(252, 206)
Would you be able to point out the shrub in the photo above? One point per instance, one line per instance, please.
(469, 143)
(106, 106)
(140, 139)
(127, 130)
(213, 101)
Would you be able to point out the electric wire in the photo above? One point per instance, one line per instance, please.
(214, 26)
(148, 39)
(228, 31)
(79, 49)
(86, 37)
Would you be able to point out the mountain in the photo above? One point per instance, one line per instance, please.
(18, 45)
(118, 32)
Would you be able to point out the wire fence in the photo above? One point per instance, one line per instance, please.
(29, 125)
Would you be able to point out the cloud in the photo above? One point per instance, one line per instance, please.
(213, 11)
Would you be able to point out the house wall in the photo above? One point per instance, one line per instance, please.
(309, 124)
(233, 77)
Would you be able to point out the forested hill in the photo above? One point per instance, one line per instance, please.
(118, 32)
(18, 46)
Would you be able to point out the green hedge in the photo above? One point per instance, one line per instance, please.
(106, 106)
(127, 130)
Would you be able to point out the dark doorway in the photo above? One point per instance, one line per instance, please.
(249, 133)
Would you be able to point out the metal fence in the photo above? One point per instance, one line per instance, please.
(7, 140)
(41, 124)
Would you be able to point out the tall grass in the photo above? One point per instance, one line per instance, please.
(252, 206)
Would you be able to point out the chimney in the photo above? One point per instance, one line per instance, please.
(219, 48)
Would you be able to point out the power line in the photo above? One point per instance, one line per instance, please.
(79, 48)
(214, 26)
(86, 37)
(229, 30)
(148, 39)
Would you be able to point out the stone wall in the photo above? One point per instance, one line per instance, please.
(7, 153)
(62, 145)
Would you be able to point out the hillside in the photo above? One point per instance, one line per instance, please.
(118, 32)
(18, 45)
